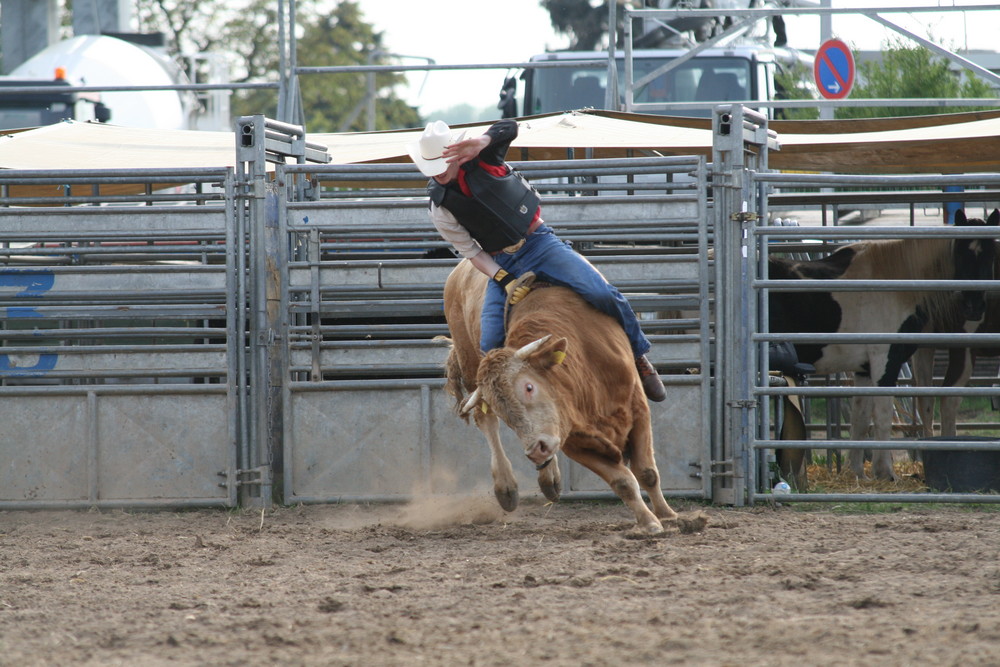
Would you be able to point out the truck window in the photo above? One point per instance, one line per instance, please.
(709, 79)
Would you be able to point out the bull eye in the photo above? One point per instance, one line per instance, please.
(529, 388)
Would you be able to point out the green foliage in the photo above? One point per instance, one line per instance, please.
(792, 83)
(336, 102)
(248, 33)
(911, 71)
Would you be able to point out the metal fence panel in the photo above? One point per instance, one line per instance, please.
(115, 449)
(119, 342)
(744, 243)
(366, 417)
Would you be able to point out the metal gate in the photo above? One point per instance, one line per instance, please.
(118, 382)
(744, 190)
(364, 415)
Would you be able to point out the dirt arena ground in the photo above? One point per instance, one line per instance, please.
(458, 582)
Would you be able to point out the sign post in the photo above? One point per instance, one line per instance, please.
(833, 69)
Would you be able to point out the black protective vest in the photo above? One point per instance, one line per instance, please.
(498, 214)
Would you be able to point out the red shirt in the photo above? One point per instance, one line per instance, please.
(494, 170)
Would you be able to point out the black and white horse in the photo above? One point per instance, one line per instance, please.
(877, 312)
(960, 361)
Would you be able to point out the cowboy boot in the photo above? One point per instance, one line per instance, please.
(651, 383)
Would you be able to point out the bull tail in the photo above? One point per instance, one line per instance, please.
(454, 384)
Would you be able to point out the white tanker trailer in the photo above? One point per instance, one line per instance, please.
(102, 60)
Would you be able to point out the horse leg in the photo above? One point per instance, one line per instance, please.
(923, 376)
(958, 374)
(882, 419)
(550, 479)
(862, 408)
(504, 484)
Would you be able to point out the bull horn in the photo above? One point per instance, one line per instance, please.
(470, 403)
(528, 349)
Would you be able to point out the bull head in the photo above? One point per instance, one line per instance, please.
(514, 382)
(557, 356)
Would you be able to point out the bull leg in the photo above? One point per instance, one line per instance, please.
(550, 479)
(624, 484)
(504, 484)
(643, 465)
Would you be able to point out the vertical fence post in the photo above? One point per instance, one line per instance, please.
(740, 141)
(259, 141)
(252, 200)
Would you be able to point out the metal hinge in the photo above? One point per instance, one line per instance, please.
(745, 216)
(727, 463)
(259, 476)
(267, 337)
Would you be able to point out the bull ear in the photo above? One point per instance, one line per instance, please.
(549, 354)
(994, 218)
(960, 219)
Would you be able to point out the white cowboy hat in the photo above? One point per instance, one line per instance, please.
(427, 151)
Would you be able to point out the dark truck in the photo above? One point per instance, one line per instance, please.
(56, 103)
(738, 73)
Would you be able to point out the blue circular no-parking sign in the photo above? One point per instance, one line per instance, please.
(833, 69)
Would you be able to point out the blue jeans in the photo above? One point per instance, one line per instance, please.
(556, 262)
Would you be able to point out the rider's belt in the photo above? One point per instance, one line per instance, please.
(511, 249)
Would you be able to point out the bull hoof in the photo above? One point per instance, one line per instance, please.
(507, 498)
(642, 530)
(654, 529)
(552, 492)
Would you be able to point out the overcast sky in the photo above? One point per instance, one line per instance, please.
(492, 31)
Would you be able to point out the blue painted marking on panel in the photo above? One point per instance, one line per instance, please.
(33, 283)
(46, 362)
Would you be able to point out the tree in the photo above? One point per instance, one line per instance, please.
(792, 83)
(911, 71)
(585, 22)
(330, 102)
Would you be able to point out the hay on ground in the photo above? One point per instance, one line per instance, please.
(909, 479)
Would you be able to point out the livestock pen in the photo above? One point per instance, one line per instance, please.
(271, 332)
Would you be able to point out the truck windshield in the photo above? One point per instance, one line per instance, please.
(702, 79)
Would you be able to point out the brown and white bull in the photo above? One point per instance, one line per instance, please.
(565, 380)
